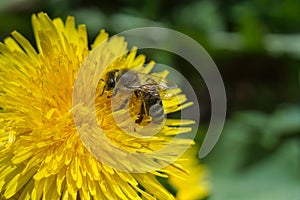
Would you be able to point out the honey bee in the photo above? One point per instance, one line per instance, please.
(149, 89)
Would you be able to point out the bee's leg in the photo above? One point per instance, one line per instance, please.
(146, 108)
(144, 111)
(103, 90)
(141, 114)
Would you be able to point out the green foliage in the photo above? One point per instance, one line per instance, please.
(257, 156)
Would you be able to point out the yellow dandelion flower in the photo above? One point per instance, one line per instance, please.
(42, 154)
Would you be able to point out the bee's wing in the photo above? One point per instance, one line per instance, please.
(145, 79)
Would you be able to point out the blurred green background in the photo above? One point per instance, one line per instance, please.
(255, 44)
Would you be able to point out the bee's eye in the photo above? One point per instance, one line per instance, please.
(111, 82)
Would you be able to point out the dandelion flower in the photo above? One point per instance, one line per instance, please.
(42, 155)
